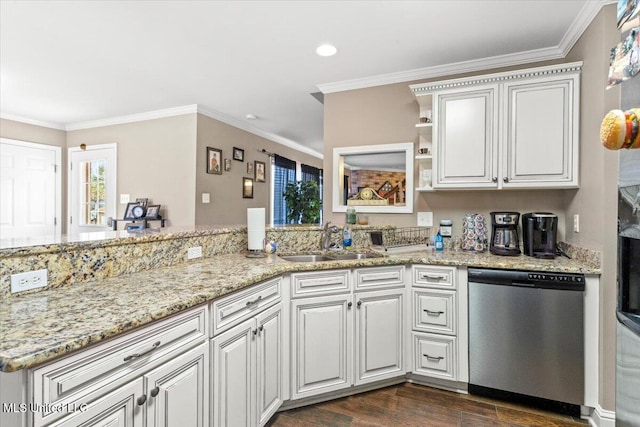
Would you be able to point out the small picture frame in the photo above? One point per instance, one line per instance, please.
(128, 212)
(143, 202)
(249, 168)
(247, 188)
(238, 154)
(214, 161)
(153, 212)
(227, 165)
(259, 170)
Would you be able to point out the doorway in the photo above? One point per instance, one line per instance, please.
(30, 189)
(92, 188)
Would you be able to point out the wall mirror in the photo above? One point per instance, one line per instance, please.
(386, 168)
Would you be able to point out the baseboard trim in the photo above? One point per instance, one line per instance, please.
(602, 418)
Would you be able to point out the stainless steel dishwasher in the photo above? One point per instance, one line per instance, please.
(526, 337)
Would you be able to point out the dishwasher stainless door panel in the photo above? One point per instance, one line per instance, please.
(527, 340)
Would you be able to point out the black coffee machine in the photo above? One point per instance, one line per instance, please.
(504, 233)
(539, 234)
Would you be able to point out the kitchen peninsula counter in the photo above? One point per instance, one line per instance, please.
(41, 326)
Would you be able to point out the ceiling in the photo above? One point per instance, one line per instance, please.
(72, 64)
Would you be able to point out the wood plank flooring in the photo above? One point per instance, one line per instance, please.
(414, 405)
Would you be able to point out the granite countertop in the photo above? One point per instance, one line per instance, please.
(39, 327)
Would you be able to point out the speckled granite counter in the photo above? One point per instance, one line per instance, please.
(38, 327)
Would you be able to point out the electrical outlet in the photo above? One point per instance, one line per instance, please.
(425, 219)
(206, 198)
(195, 252)
(29, 280)
(124, 199)
(576, 223)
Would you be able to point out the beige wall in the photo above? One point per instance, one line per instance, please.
(227, 205)
(42, 135)
(388, 114)
(156, 159)
(596, 201)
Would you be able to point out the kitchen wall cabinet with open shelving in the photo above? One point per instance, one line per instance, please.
(424, 156)
(511, 130)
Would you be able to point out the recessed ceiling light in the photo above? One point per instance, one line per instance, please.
(326, 50)
(251, 116)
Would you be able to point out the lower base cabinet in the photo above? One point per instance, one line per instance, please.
(247, 371)
(434, 355)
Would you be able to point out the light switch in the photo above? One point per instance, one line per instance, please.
(425, 219)
(124, 199)
(206, 198)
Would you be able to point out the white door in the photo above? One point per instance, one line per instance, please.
(379, 332)
(322, 330)
(30, 196)
(269, 357)
(177, 391)
(92, 188)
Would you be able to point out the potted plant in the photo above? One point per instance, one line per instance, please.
(303, 202)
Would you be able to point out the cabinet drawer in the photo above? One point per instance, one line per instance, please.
(434, 355)
(434, 277)
(93, 372)
(434, 311)
(321, 282)
(236, 308)
(379, 277)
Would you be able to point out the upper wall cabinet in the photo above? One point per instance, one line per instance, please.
(510, 130)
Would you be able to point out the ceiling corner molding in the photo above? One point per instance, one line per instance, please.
(232, 121)
(151, 115)
(56, 126)
(571, 36)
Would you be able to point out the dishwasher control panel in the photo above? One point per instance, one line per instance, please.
(532, 279)
(556, 277)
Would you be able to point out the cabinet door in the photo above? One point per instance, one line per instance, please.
(233, 376)
(177, 392)
(322, 344)
(269, 362)
(379, 334)
(466, 140)
(540, 133)
(122, 407)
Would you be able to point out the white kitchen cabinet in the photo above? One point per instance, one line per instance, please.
(247, 371)
(380, 335)
(322, 335)
(509, 130)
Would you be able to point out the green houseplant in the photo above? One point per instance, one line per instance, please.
(303, 202)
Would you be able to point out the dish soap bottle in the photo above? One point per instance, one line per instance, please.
(439, 242)
(346, 239)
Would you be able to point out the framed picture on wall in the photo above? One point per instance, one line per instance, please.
(214, 161)
(238, 154)
(249, 168)
(259, 169)
(227, 165)
(247, 188)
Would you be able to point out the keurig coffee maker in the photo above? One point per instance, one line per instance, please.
(504, 233)
(539, 234)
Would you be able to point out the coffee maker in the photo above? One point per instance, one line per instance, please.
(539, 234)
(504, 233)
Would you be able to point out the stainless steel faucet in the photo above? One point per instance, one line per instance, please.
(325, 235)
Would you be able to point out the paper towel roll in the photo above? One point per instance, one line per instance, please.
(255, 228)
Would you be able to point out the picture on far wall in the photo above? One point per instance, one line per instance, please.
(259, 169)
(153, 212)
(249, 168)
(227, 165)
(247, 188)
(214, 161)
(238, 154)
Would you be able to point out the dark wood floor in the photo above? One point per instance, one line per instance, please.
(413, 405)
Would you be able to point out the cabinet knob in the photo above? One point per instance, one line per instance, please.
(350, 304)
(142, 399)
(494, 179)
(359, 304)
(505, 179)
(261, 328)
(255, 332)
(155, 391)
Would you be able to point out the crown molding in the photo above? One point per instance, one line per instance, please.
(571, 36)
(151, 115)
(13, 118)
(232, 121)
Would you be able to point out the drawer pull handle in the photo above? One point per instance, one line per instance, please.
(142, 399)
(433, 313)
(433, 277)
(433, 358)
(155, 391)
(138, 355)
(255, 301)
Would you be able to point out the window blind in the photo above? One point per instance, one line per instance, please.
(284, 172)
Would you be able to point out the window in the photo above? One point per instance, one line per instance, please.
(284, 173)
(310, 173)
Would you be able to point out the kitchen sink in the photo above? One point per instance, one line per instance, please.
(328, 257)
